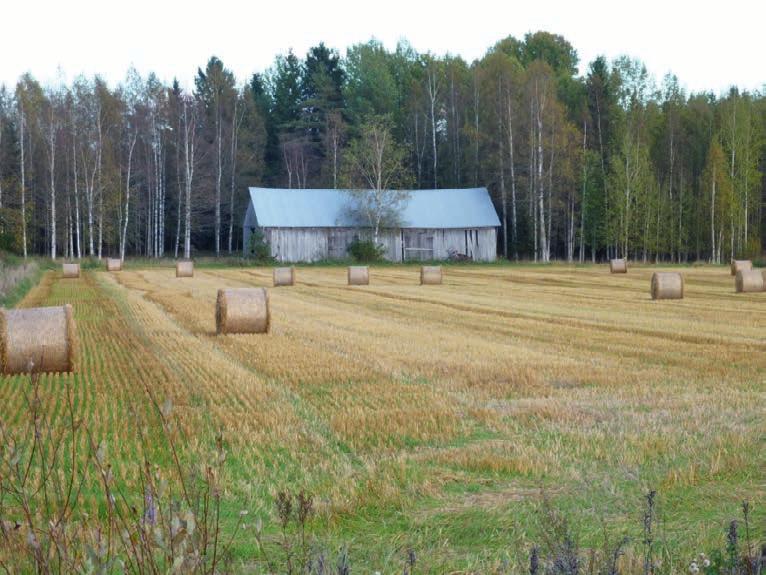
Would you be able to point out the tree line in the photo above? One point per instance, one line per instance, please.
(580, 167)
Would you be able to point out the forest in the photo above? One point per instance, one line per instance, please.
(581, 167)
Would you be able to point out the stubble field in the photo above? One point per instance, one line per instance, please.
(441, 417)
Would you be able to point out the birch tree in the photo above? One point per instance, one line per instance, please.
(22, 121)
(377, 176)
(433, 86)
(189, 126)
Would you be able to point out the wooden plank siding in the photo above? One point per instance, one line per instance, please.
(314, 244)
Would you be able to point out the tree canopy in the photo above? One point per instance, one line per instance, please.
(609, 163)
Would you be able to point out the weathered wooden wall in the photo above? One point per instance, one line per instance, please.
(313, 244)
(479, 244)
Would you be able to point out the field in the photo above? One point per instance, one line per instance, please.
(441, 417)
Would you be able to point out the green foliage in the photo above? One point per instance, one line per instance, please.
(7, 241)
(285, 81)
(366, 251)
(371, 88)
(16, 279)
(306, 120)
(258, 249)
(376, 174)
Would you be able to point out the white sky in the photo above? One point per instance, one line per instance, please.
(709, 46)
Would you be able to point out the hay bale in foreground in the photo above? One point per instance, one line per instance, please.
(284, 276)
(430, 275)
(185, 269)
(37, 340)
(71, 270)
(113, 264)
(242, 310)
(618, 266)
(747, 281)
(667, 285)
(358, 275)
(740, 265)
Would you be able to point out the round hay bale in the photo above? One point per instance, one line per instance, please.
(667, 285)
(740, 265)
(358, 275)
(618, 266)
(185, 269)
(430, 275)
(37, 340)
(113, 264)
(71, 270)
(242, 310)
(747, 281)
(284, 276)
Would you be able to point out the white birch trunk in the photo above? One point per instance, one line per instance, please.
(235, 124)
(514, 218)
(433, 93)
(52, 169)
(124, 237)
(189, 141)
(541, 186)
(218, 179)
(76, 197)
(22, 122)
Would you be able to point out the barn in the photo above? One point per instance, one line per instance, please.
(306, 225)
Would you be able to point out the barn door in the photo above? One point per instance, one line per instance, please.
(471, 243)
(336, 246)
(418, 245)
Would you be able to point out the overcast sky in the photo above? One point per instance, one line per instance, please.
(708, 48)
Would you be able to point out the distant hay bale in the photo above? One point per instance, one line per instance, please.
(242, 310)
(71, 270)
(667, 285)
(284, 276)
(185, 269)
(747, 281)
(430, 275)
(740, 265)
(113, 264)
(37, 340)
(358, 275)
(618, 266)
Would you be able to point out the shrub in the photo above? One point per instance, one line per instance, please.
(366, 251)
(155, 521)
(257, 248)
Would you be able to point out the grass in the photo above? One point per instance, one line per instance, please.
(16, 279)
(443, 418)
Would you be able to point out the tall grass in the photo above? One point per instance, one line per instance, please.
(152, 520)
(16, 279)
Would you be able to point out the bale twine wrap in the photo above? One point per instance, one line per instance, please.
(667, 285)
(113, 264)
(618, 266)
(358, 275)
(185, 269)
(284, 276)
(37, 340)
(747, 281)
(430, 275)
(740, 265)
(71, 270)
(242, 310)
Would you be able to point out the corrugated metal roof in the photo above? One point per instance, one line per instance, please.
(302, 208)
